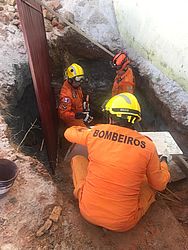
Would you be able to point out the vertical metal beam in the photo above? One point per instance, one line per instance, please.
(32, 22)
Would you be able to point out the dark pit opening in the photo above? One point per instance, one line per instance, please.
(23, 118)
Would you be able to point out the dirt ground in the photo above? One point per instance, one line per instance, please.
(29, 203)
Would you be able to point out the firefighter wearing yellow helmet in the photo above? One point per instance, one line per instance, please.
(123, 106)
(70, 108)
(116, 185)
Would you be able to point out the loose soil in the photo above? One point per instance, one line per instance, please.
(32, 198)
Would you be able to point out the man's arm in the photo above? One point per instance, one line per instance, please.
(77, 134)
(157, 173)
(64, 109)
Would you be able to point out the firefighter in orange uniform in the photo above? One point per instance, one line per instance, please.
(124, 80)
(116, 185)
(70, 108)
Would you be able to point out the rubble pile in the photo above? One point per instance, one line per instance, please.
(9, 13)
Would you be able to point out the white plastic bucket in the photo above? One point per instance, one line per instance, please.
(8, 173)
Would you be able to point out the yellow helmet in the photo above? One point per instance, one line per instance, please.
(125, 106)
(74, 70)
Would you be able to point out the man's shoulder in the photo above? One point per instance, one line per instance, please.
(100, 126)
(65, 89)
(65, 84)
(129, 71)
(148, 140)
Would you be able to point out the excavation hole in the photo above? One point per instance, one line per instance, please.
(22, 112)
(23, 118)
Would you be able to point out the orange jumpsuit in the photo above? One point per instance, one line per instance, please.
(123, 82)
(70, 102)
(115, 186)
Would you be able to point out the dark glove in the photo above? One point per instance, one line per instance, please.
(85, 116)
(88, 118)
(166, 157)
(80, 115)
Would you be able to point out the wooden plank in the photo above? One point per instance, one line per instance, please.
(32, 22)
(164, 141)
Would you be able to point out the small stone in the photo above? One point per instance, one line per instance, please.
(58, 32)
(16, 15)
(11, 2)
(13, 157)
(20, 27)
(2, 221)
(55, 228)
(48, 26)
(15, 22)
(55, 4)
(11, 9)
(55, 22)
(42, 230)
(60, 26)
(11, 16)
(44, 12)
(49, 16)
(11, 29)
(13, 200)
(4, 19)
(58, 247)
(69, 16)
(55, 214)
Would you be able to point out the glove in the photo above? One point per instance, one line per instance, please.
(166, 157)
(88, 118)
(86, 107)
(80, 115)
(85, 116)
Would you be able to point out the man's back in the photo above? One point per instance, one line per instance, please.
(117, 184)
(123, 82)
(70, 102)
(118, 159)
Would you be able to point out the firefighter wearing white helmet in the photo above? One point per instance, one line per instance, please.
(116, 185)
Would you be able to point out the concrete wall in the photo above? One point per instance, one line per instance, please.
(158, 30)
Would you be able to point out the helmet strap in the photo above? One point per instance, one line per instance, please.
(122, 122)
(71, 82)
(125, 69)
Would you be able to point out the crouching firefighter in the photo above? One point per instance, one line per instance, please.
(71, 100)
(116, 185)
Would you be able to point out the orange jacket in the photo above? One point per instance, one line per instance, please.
(119, 160)
(123, 82)
(70, 102)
